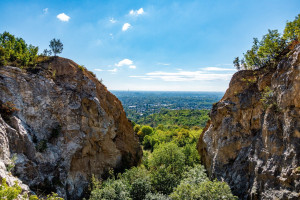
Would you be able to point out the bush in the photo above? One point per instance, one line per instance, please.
(196, 185)
(111, 190)
(267, 97)
(14, 51)
(271, 47)
(166, 165)
(9, 193)
(158, 196)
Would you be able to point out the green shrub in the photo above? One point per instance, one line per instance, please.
(166, 165)
(111, 190)
(196, 185)
(10, 166)
(9, 193)
(157, 196)
(81, 67)
(271, 47)
(267, 97)
(14, 51)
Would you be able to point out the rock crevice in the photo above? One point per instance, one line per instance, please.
(252, 140)
(68, 127)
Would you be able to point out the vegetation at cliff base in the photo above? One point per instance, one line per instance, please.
(271, 47)
(170, 167)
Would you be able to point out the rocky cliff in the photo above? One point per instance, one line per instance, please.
(253, 138)
(66, 128)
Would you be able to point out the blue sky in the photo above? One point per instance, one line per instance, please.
(151, 44)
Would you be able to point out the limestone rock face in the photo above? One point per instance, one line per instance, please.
(68, 128)
(254, 144)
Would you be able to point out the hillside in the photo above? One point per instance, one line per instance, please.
(59, 126)
(252, 140)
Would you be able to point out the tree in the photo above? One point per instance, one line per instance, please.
(292, 30)
(236, 63)
(56, 46)
(167, 166)
(47, 52)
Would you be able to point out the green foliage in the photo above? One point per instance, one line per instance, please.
(14, 51)
(136, 128)
(46, 52)
(10, 166)
(264, 51)
(9, 193)
(167, 165)
(188, 118)
(236, 63)
(156, 196)
(81, 67)
(178, 135)
(53, 196)
(196, 185)
(56, 46)
(174, 158)
(112, 190)
(271, 47)
(292, 30)
(267, 97)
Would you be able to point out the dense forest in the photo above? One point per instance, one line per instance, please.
(170, 167)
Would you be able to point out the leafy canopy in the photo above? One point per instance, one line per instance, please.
(271, 47)
(56, 46)
(14, 51)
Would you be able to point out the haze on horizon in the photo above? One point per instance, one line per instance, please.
(150, 45)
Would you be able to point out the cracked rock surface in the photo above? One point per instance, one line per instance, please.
(252, 144)
(68, 127)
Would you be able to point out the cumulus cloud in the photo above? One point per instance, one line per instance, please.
(45, 10)
(184, 76)
(63, 17)
(112, 20)
(132, 67)
(124, 62)
(137, 12)
(126, 26)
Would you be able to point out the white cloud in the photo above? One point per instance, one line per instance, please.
(132, 67)
(113, 70)
(126, 26)
(45, 10)
(185, 76)
(63, 17)
(218, 69)
(124, 62)
(112, 20)
(166, 64)
(137, 12)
